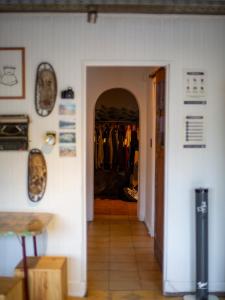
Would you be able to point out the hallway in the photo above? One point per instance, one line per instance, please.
(121, 264)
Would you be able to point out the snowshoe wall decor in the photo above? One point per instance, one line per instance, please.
(45, 89)
(37, 175)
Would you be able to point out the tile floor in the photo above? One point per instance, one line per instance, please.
(121, 264)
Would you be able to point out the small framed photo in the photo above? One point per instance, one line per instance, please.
(67, 150)
(67, 124)
(12, 73)
(67, 137)
(67, 109)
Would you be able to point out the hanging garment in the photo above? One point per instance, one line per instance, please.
(121, 149)
(100, 149)
(106, 148)
(127, 142)
(115, 143)
(110, 148)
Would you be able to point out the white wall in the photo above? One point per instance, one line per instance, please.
(135, 80)
(69, 43)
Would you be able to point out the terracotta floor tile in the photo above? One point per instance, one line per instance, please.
(103, 234)
(125, 266)
(98, 244)
(98, 251)
(133, 218)
(152, 266)
(143, 239)
(98, 258)
(100, 285)
(123, 275)
(151, 285)
(121, 251)
(95, 226)
(120, 239)
(98, 266)
(124, 285)
(119, 226)
(98, 295)
(98, 276)
(139, 225)
(122, 258)
(121, 244)
(143, 245)
(139, 232)
(134, 295)
(144, 258)
(149, 275)
(114, 218)
(118, 233)
(98, 239)
(147, 251)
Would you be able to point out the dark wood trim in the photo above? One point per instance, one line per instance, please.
(209, 8)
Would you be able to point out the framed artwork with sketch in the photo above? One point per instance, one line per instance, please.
(12, 73)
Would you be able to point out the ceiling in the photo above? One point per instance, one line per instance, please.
(203, 7)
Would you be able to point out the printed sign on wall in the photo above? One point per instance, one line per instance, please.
(195, 87)
(194, 135)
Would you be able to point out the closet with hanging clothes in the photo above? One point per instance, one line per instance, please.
(116, 159)
(116, 143)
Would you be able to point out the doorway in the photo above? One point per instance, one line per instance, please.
(99, 81)
(116, 152)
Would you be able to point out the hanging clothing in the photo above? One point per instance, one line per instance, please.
(115, 143)
(100, 149)
(115, 146)
(121, 149)
(106, 148)
(110, 148)
(127, 142)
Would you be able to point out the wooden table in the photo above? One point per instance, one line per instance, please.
(24, 224)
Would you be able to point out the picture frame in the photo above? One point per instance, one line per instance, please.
(12, 73)
(67, 137)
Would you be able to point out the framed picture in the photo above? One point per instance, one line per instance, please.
(12, 73)
(67, 150)
(67, 109)
(67, 137)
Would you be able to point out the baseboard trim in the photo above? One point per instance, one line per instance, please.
(149, 228)
(77, 289)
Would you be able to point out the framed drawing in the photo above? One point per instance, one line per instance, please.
(12, 73)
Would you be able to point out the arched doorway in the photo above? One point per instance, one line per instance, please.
(116, 151)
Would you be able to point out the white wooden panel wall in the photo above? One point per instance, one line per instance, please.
(69, 42)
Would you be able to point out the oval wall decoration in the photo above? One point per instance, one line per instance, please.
(37, 175)
(45, 89)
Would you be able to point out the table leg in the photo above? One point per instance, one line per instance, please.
(26, 287)
(35, 245)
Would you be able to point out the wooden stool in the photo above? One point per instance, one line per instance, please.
(47, 277)
(11, 288)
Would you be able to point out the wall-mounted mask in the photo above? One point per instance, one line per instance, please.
(45, 89)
